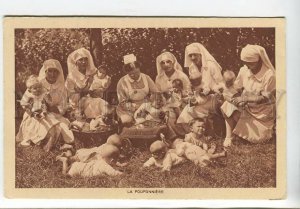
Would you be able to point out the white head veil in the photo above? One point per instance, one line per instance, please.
(252, 53)
(166, 56)
(73, 72)
(197, 48)
(52, 63)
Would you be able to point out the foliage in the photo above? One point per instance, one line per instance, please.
(33, 46)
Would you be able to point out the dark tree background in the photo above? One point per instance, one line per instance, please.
(109, 45)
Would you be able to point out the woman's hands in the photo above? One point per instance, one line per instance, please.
(239, 101)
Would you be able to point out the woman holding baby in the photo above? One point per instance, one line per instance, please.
(254, 119)
(81, 85)
(35, 128)
(133, 89)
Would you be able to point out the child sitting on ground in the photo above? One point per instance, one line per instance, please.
(196, 154)
(197, 134)
(93, 161)
(101, 81)
(151, 111)
(162, 157)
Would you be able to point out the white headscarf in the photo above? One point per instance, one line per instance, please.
(73, 72)
(252, 53)
(166, 56)
(197, 48)
(52, 63)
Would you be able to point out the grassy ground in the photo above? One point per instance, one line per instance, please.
(245, 166)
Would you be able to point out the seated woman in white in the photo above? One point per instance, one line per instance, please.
(132, 89)
(254, 120)
(81, 72)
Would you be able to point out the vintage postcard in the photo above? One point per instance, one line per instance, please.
(145, 108)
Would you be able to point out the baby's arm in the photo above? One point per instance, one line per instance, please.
(64, 161)
(167, 163)
(26, 102)
(149, 162)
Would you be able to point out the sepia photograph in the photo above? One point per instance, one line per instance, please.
(145, 107)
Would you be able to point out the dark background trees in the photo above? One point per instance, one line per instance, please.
(109, 45)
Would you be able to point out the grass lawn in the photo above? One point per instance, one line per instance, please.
(245, 166)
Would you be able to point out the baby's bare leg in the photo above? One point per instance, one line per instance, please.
(217, 155)
(212, 149)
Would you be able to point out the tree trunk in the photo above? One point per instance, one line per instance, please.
(96, 45)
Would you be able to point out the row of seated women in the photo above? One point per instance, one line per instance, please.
(246, 100)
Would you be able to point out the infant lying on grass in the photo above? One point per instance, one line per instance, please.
(94, 161)
(194, 148)
(162, 157)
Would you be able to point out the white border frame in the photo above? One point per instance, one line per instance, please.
(238, 8)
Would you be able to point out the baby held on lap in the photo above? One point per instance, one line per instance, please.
(151, 111)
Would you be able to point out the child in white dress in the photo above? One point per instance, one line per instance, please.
(152, 110)
(34, 99)
(101, 81)
(229, 92)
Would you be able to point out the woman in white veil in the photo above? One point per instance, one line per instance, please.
(168, 69)
(254, 121)
(81, 71)
(204, 70)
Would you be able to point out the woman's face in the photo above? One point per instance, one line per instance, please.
(82, 64)
(254, 66)
(134, 74)
(196, 58)
(167, 65)
(52, 75)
